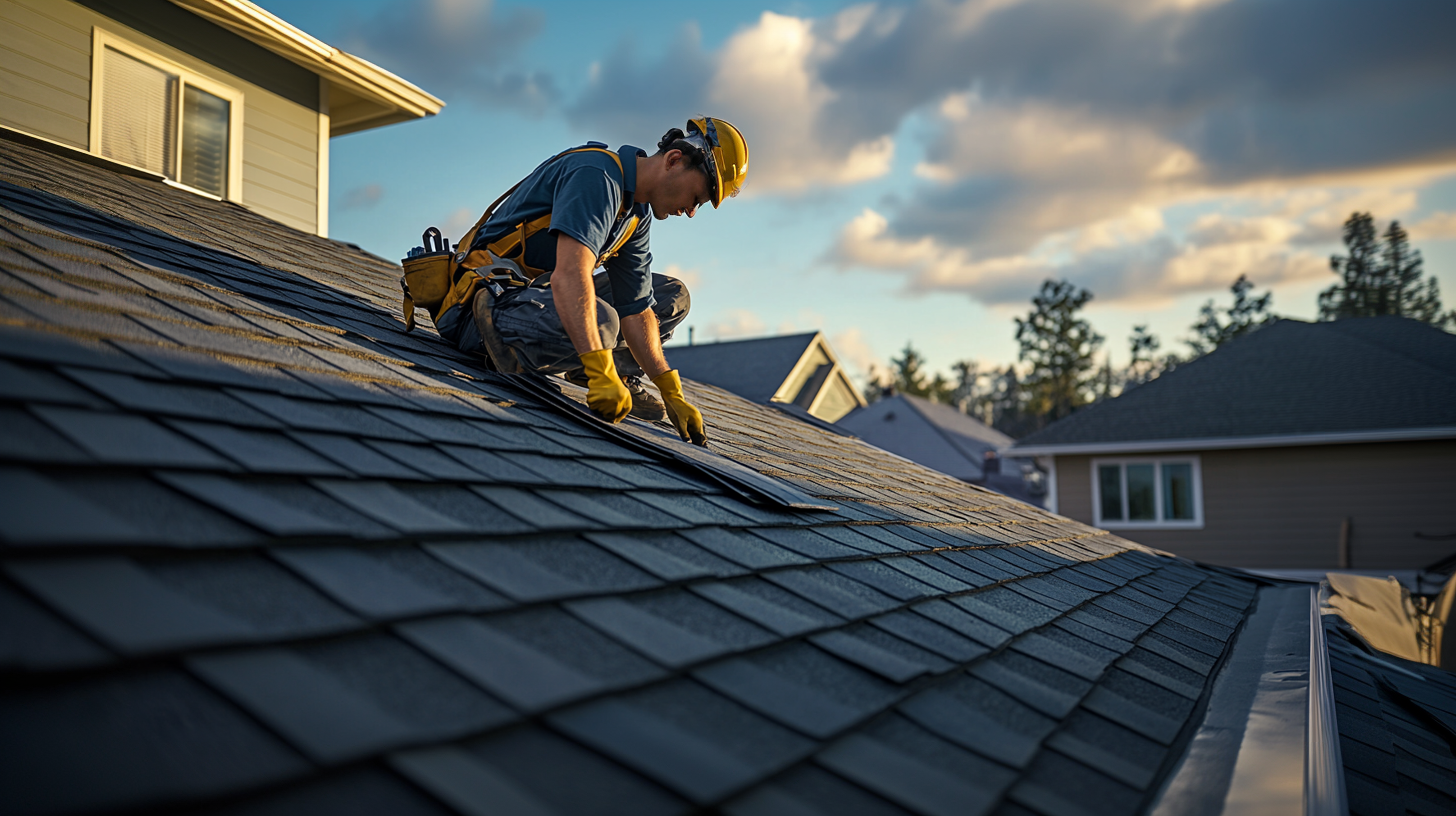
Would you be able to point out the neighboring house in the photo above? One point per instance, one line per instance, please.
(1300, 445)
(793, 369)
(262, 552)
(218, 96)
(942, 438)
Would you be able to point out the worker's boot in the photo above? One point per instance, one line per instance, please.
(644, 406)
(500, 356)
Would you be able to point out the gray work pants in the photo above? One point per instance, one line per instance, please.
(527, 320)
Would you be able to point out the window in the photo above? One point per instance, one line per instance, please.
(151, 113)
(1152, 493)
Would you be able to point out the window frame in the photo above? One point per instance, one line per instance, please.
(1196, 523)
(101, 40)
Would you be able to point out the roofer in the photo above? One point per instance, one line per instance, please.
(580, 210)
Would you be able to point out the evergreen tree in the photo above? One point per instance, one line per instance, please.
(1217, 325)
(1060, 345)
(1381, 277)
(1143, 365)
(910, 377)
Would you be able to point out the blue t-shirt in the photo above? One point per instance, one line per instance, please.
(583, 192)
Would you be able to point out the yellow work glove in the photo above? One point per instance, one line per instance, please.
(687, 419)
(605, 394)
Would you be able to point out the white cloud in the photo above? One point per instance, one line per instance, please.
(690, 277)
(854, 352)
(735, 323)
(362, 198)
(765, 77)
(1434, 227)
(458, 223)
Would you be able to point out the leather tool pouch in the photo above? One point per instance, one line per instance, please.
(427, 277)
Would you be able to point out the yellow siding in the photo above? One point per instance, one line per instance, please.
(45, 70)
(45, 76)
(1282, 507)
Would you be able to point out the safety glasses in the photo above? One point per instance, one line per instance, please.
(710, 166)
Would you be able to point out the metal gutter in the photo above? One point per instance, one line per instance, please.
(1233, 442)
(1324, 768)
(1248, 755)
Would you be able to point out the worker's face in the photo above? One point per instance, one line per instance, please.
(685, 188)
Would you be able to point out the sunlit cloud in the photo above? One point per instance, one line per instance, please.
(735, 323)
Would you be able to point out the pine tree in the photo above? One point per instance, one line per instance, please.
(1381, 278)
(1060, 346)
(1245, 315)
(910, 377)
(1143, 365)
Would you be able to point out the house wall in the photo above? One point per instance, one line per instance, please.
(1282, 507)
(45, 89)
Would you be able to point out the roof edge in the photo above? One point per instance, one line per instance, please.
(403, 99)
(1324, 767)
(1233, 442)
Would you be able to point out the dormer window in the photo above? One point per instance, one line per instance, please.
(154, 114)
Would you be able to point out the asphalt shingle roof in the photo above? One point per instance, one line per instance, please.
(754, 368)
(937, 436)
(1361, 374)
(1397, 724)
(260, 551)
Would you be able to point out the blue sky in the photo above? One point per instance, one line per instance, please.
(919, 167)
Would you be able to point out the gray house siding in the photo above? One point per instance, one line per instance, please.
(1282, 507)
(45, 89)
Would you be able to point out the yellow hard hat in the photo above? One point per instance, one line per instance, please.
(727, 154)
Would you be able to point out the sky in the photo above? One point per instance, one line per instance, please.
(919, 167)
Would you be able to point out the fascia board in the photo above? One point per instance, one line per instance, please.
(1234, 442)
(359, 76)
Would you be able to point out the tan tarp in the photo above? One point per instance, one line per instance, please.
(1392, 620)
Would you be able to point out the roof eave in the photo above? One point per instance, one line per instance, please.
(1234, 442)
(392, 99)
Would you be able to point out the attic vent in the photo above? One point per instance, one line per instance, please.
(157, 116)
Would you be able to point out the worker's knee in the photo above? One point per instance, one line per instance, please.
(672, 298)
(609, 325)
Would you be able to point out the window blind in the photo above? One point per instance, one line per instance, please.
(139, 114)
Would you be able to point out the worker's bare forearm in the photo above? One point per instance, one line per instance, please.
(573, 293)
(645, 341)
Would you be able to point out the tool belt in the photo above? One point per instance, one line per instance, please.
(439, 278)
